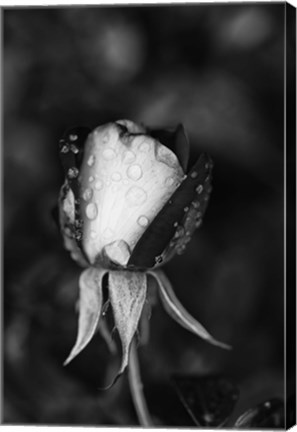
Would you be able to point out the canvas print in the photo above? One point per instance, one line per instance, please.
(149, 213)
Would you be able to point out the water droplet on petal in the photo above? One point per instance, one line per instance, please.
(72, 173)
(129, 157)
(93, 234)
(158, 259)
(196, 204)
(136, 196)
(91, 179)
(74, 149)
(198, 223)
(116, 176)
(199, 189)
(98, 184)
(134, 172)
(143, 221)
(91, 211)
(65, 149)
(194, 174)
(87, 195)
(109, 154)
(144, 146)
(175, 224)
(91, 160)
(73, 137)
(186, 209)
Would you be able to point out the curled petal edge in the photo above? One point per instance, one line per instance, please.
(90, 305)
(176, 310)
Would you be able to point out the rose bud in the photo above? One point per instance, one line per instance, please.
(128, 205)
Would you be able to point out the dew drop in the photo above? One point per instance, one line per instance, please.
(129, 157)
(196, 204)
(73, 173)
(158, 259)
(91, 160)
(186, 209)
(91, 179)
(267, 404)
(134, 172)
(169, 181)
(198, 223)
(74, 149)
(116, 176)
(73, 137)
(179, 232)
(144, 146)
(87, 195)
(109, 154)
(91, 211)
(175, 224)
(194, 174)
(98, 184)
(143, 221)
(199, 189)
(65, 149)
(136, 196)
(93, 234)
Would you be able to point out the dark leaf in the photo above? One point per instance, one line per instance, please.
(209, 400)
(162, 229)
(269, 414)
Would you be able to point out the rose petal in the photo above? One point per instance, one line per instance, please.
(176, 310)
(90, 304)
(157, 236)
(127, 293)
(177, 141)
(125, 181)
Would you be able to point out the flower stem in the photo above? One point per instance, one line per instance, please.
(136, 388)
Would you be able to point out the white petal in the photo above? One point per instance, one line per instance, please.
(176, 310)
(90, 304)
(131, 177)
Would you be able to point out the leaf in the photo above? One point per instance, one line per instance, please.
(90, 304)
(209, 400)
(127, 293)
(269, 414)
(176, 310)
(159, 233)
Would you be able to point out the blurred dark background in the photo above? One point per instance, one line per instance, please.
(219, 70)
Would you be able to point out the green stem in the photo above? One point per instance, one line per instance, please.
(136, 388)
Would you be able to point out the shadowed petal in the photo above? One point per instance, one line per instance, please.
(177, 141)
(176, 310)
(159, 233)
(127, 293)
(90, 304)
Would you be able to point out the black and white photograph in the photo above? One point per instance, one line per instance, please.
(148, 224)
